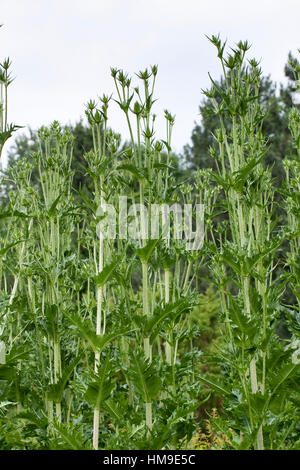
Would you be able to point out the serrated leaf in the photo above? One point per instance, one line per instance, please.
(51, 211)
(17, 353)
(99, 390)
(84, 329)
(7, 247)
(107, 272)
(67, 437)
(145, 252)
(144, 377)
(215, 385)
(137, 172)
(170, 310)
(104, 340)
(55, 391)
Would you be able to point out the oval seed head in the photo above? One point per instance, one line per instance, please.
(148, 133)
(209, 93)
(137, 108)
(244, 46)
(6, 63)
(97, 117)
(154, 70)
(231, 61)
(122, 78)
(144, 75)
(169, 117)
(254, 63)
(91, 105)
(158, 146)
(114, 72)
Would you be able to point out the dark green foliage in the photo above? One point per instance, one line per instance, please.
(107, 342)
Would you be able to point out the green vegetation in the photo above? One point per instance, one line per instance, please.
(136, 342)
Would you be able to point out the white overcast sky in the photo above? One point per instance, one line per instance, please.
(62, 51)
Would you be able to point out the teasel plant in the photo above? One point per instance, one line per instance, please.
(10, 359)
(100, 164)
(105, 255)
(6, 131)
(292, 167)
(291, 192)
(10, 216)
(48, 241)
(46, 291)
(143, 152)
(15, 346)
(250, 297)
(54, 222)
(6, 128)
(292, 201)
(149, 161)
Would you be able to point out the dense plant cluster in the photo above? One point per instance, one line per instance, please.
(108, 343)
